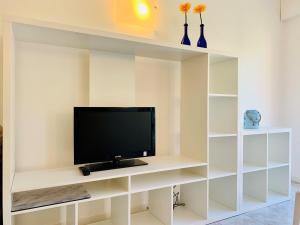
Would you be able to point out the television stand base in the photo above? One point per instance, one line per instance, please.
(87, 169)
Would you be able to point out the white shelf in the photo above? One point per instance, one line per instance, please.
(144, 218)
(276, 197)
(249, 202)
(265, 130)
(104, 190)
(216, 134)
(223, 95)
(165, 179)
(219, 173)
(248, 167)
(184, 216)
(106, 222)
(32, 180)
(273, 165)
(76, 37)
(218, 211)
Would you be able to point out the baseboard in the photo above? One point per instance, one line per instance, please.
(296, 179)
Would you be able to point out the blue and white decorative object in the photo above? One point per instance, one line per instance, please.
(252, 119)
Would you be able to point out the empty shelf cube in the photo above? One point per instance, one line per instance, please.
(223, 115)
(279, 148)
(152, 208)
(255, 189)
(254, 152)
(278, 184)
(194, 198)
(222, 197)
(111, 211)
(222, 156)
(55, 215)
(223, 77)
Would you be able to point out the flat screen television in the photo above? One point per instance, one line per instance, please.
(108, 137)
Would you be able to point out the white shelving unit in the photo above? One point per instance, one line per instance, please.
(266, 167)
(50, 68)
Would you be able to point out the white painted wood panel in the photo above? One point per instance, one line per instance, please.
(255, 152)
(111, 80)
(157, 84)
(255, 186)
(160, 205)
(50, 81)
(164, 179)
(223, 154)
(57, 177)
(194, 111)
(223, 78)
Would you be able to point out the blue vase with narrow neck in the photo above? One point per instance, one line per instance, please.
(185, 39)
(202, 42)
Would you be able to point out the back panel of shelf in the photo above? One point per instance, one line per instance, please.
(279, 184)
(223, 76)
(255, 189)
(152, 207)
(279, 148)
(222, 197)
(194, 196)
(194, 112)
(255, 151)
(223, 154)
(113, 211)
(59, 215)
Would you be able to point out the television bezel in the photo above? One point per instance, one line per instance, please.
(109, 157)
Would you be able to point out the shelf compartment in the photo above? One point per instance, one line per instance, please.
(255, 189)
(278, 184)
(106, 188)
(152, 207)
(50, 216)
(254, 152)
(112, 211)
(140, 183)
(222, 156)
(194, 196)
(279, 149)
(223, 115)
(223, 77)
(222, 205)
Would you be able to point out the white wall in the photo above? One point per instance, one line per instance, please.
(291, 87)
(250, 29)
(290, 9)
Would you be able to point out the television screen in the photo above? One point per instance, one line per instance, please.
(102, 133)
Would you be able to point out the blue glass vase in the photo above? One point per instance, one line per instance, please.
(185, 39)
(202, 42)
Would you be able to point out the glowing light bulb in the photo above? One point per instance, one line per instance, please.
(142, 9)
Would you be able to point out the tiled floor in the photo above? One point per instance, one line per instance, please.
(280, 214)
